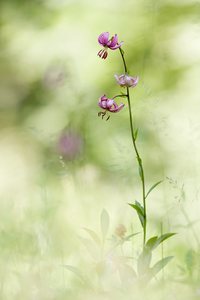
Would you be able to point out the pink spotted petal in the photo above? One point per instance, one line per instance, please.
(116, 46)
(103, 98)
(103, 104)
(110, 103)
(134, 81)
(113, 41)
(116, 107)
(120, 79)
(103, 38)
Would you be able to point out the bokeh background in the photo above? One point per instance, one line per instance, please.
(61, 165)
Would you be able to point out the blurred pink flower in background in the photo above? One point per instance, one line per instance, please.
(55, 76)
(125, 80)
(109, 104)
(111, 43)
(120, 231)
(70, 145)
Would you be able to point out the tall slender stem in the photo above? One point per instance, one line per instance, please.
(139, 160)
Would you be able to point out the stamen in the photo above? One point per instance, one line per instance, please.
(105, 54)
(100, 52)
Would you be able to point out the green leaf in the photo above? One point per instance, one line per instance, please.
(155, 241)
(140, 168)
(93, 235)
(76, 271)
(105, 221)
(127, 238)
(150, 244)
(143, 262)
(140, 211)
(153, 187)
(136, 134)
(190, 260)
(160, 265)
(163, 237)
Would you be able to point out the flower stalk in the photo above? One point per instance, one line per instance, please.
(139, 160)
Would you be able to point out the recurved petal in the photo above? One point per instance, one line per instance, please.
(134, 81)
(110, 103)
(120, 80)
(103, 104)
(116, 46)
(113, 41)
(116, 107)
(103, 98)
(103, 38)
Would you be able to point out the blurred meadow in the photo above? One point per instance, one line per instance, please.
(61, 165)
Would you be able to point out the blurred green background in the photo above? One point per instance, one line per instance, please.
(60, 164)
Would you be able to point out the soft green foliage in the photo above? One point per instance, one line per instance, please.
(152, 188)
(140, 211)
(155, 241)
(50, 81)
(105, 221)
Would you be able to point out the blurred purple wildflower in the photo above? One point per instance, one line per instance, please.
(111, 43)
(125, 80)
(69, 145)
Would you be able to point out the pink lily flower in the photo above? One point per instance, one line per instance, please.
(111, 43)
(126, 80)
(108, 105)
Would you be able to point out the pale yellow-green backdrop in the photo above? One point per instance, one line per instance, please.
(50, 82)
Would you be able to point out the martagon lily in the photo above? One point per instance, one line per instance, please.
(109, 105)
(111, 43)
(125, 80)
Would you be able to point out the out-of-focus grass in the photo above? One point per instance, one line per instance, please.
(50, 81)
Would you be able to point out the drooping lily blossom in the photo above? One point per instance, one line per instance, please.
(111, 43)
(125, 80)
(108, 105)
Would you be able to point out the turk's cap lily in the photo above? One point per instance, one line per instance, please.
(111, 43)
(109, 104)
(125, 80)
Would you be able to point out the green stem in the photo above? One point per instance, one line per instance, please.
(139, 160)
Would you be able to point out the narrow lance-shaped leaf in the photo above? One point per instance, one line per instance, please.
(160, 265)
(143, 262)
(150, 244)
(76, 271)
(93, 235)
(140, 171)
(155, 241)
(128, 237)
(140, 211)
(140, 167)
(136, 134)
(105, 221)
(153, 187)
(163, 237)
